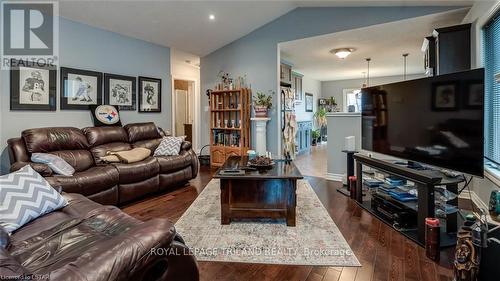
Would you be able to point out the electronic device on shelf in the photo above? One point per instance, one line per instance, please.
(399, 216)
(436, 120)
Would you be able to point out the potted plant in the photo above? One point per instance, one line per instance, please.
(315, 137)
(262, 103)
(320, 117)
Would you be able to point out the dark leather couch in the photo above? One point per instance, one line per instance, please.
(115, 183)
(87, 241)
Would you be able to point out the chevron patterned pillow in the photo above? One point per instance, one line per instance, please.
(26, 195)
(169, 146)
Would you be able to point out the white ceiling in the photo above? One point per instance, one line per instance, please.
(384, 44)
(185, 25)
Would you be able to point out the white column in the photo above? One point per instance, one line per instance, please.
(260, 134)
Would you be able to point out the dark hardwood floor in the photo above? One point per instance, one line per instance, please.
(384, 253)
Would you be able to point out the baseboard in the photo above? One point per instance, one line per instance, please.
(335, 177)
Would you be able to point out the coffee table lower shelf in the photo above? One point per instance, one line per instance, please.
(258, 198)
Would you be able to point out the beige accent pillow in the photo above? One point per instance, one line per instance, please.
(133, 155)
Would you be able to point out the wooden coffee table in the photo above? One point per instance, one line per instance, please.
(258, 194)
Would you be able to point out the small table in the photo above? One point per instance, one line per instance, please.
(267, 193)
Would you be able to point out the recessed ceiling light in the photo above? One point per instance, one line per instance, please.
(211, 17)
(342, 53)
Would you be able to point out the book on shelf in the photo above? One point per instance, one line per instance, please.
(227, 139)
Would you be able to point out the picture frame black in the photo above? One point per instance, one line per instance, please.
(445, 96)
(109, 93)
(73, 103)
(309, 102)
(145, 95)
(16, 100)
(474, 97)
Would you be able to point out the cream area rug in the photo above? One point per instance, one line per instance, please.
(315, 240)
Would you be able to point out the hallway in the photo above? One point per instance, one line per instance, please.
(313, 163)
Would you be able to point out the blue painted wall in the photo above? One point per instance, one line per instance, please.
(86, 47)
(257, 54)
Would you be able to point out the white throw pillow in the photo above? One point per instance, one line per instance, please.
(26, 195)
(56, 163)
(169, 146)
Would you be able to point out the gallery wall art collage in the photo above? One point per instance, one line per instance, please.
(35, 88)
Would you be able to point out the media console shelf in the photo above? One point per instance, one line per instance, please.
(425, 182)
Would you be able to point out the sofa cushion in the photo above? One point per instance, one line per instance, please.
(141, 131)
(104, 244)
(131, 156)
(81, 160)
(173, 163)
(151, 144)
(78, 206)
(137, 171)
(54, 139)
(56, 163)
(103, 149)
(26, 195)
(88, 182)
(103, 135)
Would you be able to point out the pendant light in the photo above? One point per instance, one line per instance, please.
(364, 80)
(368, 72)
(405, 57)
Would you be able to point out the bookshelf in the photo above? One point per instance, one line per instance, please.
(229, 124)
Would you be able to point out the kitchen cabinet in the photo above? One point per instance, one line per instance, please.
(285, 74)
(297, 86)
(448, 50)
(303, 138)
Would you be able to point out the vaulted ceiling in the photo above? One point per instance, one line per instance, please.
(185, 25)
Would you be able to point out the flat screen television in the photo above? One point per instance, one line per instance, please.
(437, 120)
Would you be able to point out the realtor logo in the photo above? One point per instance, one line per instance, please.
(30, 32)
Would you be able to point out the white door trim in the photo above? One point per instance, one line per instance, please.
(196, 109)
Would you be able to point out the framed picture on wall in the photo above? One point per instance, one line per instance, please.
(149, 94)
(474, 99)
(32, 87)
(80, 88)
(444, 96)
(120, 91)
(309, 102)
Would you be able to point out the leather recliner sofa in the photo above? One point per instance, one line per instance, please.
(115, 183)
(87, 241)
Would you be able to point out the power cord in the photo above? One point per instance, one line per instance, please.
(467, 182)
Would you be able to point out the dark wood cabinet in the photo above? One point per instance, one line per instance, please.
(429, 50)
(452, 49)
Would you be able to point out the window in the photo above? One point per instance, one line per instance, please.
(352, 100)
(492, 89)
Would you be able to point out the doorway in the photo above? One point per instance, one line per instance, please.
(183, 101)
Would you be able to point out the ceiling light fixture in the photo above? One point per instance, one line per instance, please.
(211, 17)
(342, 53)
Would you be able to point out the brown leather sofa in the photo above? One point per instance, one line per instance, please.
(114, 183)
(87, 241)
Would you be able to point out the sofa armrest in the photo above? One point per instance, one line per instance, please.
(42, 169)
(186, 146)
(11, 269)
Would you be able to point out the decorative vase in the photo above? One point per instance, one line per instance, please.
(260, 111)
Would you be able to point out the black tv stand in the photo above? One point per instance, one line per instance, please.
(425, 181)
